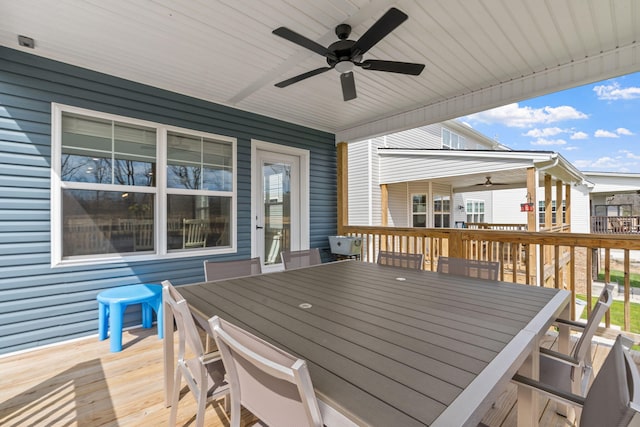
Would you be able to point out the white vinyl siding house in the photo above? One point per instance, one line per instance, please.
(429, 162)
(408, 176)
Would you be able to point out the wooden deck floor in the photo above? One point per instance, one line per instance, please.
(83, 384)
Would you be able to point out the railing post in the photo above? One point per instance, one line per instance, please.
(342, 159)
(456, 248)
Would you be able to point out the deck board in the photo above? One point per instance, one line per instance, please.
(81, 383)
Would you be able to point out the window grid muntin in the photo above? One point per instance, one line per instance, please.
(160, 191)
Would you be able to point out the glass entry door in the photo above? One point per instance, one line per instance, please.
(277, 222)
(276, 187)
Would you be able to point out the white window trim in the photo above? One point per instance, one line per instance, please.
(160, 191)
(256, 176)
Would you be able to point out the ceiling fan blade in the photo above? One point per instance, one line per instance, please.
(392, 66)
(348, 86)
(301, 40)
(302, 76)
(389, 22)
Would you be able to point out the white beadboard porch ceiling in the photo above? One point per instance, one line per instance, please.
(478, 53)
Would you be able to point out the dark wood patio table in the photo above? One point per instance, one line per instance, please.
(388, 346)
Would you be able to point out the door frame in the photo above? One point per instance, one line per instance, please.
(303, 188)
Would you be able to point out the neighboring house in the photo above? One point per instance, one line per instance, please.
(615, 201)
(447, 174)
(365, 158)
(106, 182)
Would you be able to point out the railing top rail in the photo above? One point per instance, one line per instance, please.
(618, 241)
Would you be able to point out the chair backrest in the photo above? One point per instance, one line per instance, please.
(188, 336)
(274, 250)
(398, 259)
(271, 383)
(614, 396)
(227, 269)
(583, 346)
(303, 258)
(143, 235)
(469, 267)
(194, 233)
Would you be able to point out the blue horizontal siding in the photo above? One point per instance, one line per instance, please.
(41, 305)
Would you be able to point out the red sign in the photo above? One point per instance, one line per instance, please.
(526, 207)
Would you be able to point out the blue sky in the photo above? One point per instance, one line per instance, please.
(596, 127)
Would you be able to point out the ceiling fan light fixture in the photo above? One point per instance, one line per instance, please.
(344, 67)
(344, 54)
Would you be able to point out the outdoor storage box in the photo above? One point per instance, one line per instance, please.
(345, 245)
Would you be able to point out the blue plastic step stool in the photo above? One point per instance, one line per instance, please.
(113, 302)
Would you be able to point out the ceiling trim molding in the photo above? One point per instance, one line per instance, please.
(620, 61)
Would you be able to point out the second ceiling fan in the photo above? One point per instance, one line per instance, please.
(346, 54)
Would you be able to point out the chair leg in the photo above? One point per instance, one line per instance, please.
(202, 403)
(236, 409)
(160, 316)
(175, 398)
(227, 404)
(103, 321)
(116, 312)
(147, 317)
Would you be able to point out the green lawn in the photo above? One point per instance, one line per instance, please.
(617, 313)
(618, 276)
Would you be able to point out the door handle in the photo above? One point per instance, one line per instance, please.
(258, 227)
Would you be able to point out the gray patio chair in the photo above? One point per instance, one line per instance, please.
(469, 267)
(203, 372)
(218, 270)
(302, 258)
(574, 372)
(271, 383)
(612, 400)
(398, 259)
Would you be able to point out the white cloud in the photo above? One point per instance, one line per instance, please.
(579, 135)
(543, 141)
(629, 155)
(571, 148)
(582, 164)
(538, 133)
(605, 162)
(601, 133)
(623, 131)
(513, 115)
(614, 92)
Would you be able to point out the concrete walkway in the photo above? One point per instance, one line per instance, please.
(618, 291)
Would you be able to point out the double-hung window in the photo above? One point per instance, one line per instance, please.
(419, 210)
(452, 141)
(129, 189)
(475, 210)
(541, 212)
(441, 211)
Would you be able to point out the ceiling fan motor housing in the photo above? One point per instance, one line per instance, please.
(342, 52)
(343, 31)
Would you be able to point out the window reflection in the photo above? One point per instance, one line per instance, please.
(116, 213)
(105, 222)
(106, 152)
(198, 163)
(198, 221)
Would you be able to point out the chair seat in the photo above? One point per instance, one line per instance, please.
(113, 302)
(555, 373)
